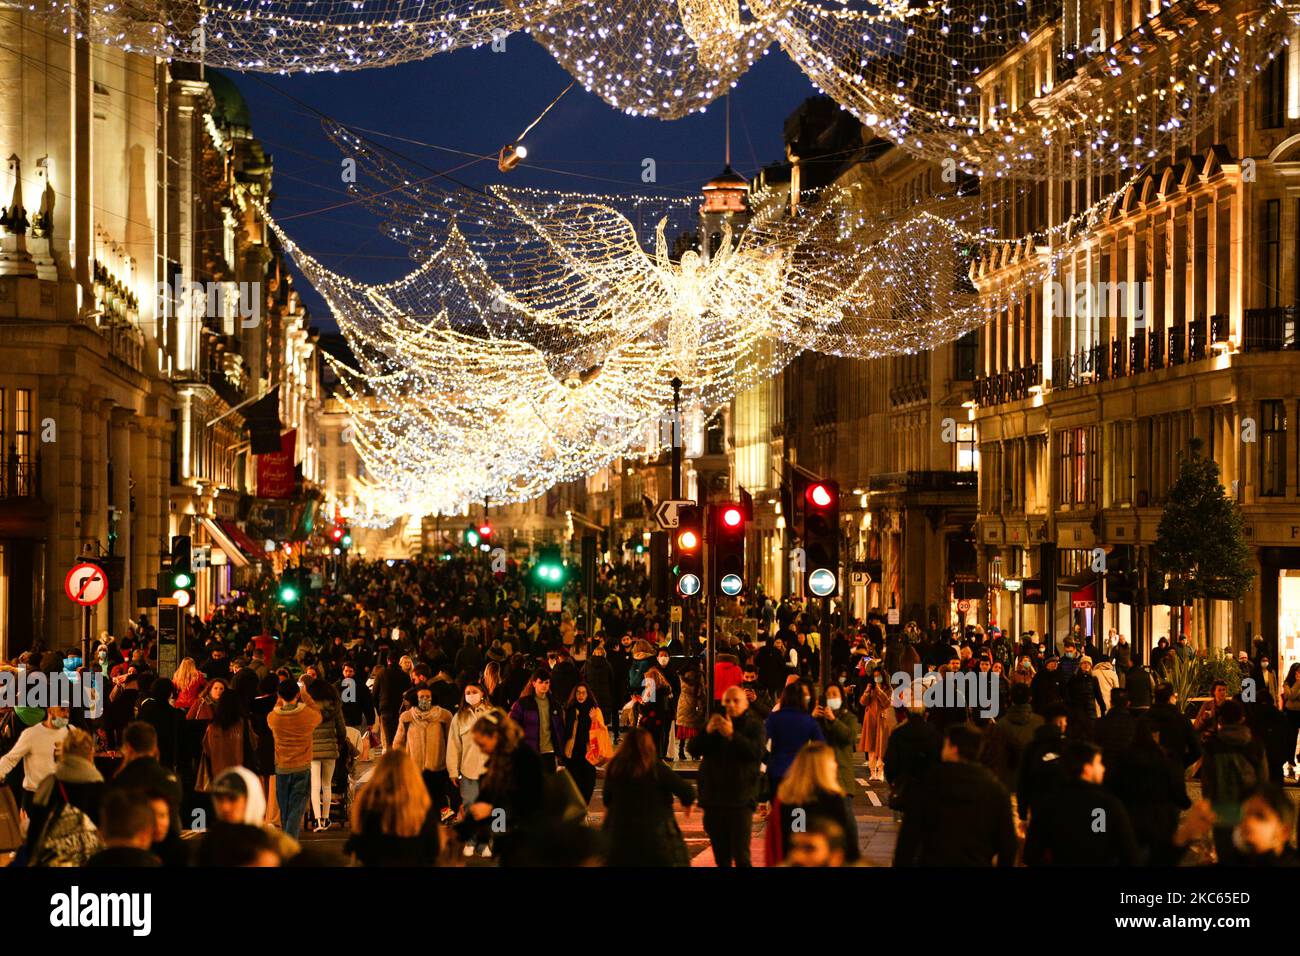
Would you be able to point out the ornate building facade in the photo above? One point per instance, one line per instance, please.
(141, 305)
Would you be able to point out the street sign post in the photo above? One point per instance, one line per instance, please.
(553, 602)
(86, 585)
(666, 511)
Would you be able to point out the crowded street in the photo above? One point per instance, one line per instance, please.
(679, 443)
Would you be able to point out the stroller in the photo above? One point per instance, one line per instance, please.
(344, 782)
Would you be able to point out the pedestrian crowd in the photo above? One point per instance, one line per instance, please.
(438, 714)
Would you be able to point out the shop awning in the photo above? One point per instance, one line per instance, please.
(222, 541)
(241, 540)
(1085, 597)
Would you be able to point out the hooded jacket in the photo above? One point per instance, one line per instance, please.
(464, 758)
(255, 810)
(423, 734)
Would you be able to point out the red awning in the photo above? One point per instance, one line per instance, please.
(241, 539)
(1085, 597)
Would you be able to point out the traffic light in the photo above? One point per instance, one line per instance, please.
(345, 542)
(727, 542)
(290, 590)
(821, 537)
(688, 546)
(485, 532)
(180, 584)
(336, 535)
(471, 537)
(549, 572)
(1121, 575)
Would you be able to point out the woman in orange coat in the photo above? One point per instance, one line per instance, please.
(878, 722)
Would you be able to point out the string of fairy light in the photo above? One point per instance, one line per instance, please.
(1036, 89)
(533, 340)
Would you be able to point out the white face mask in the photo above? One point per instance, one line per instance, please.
(473, 699)
(834, 703)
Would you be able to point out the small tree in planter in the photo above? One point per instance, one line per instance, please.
(1201, 542)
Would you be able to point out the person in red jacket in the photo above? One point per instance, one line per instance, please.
(726, 674)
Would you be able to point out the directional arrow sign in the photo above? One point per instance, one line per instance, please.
(86, 584)
(666, 511)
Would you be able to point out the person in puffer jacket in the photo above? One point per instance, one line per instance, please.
(422, 733)
(325, 740)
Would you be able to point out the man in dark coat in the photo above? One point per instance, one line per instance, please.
(599, 675)
(1045, 689)
(140, 770)
(392, 684)
(1113, 733)
(1009, 737)
(912, 752)
(772, 667)
(730, 752)
(1082, 824)
(1040, 766)
(961, 815)
(1177, 735)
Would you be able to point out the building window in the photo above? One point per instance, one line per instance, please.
(1273, 93)
(23, 424)
(343, 469)
(966, 354)
(968, 457)
(1077, 453)
(1272, 449)
(1270, 249)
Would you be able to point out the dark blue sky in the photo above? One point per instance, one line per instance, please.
(477, 100)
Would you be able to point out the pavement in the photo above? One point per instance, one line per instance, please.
(877, 828)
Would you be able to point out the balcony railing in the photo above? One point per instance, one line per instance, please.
(1270, 330)
(19, 477)
(1266, 329)
(1007, 386)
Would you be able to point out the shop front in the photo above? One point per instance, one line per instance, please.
(1279, 584)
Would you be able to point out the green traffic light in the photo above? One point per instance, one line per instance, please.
(471, 538)
(288, 594)
(182, 580)
(347, 541)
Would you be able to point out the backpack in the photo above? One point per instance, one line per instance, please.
(1234, 778)
(69, 838)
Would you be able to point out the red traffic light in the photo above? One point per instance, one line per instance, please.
(337, 533)
(485, 531)
(732, 516)
(820, 495)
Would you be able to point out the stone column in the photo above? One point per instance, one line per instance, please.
(142, 574)
(120, 499)
(64, 492)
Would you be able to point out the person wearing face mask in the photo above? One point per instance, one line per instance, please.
(840, 729)
(37, 749)
(878, 722)
(1263, 835)
(422, 733)
(760, 699)
(466, 761)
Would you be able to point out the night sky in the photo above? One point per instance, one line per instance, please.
(477, 101)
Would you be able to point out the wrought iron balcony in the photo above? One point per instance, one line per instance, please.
(19, 477)
(1009, 386)
(1270, 330)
